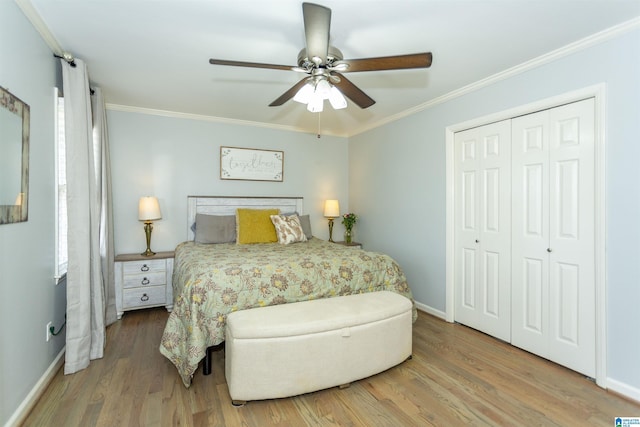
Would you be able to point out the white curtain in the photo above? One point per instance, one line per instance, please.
(107, 251)
(89, 234)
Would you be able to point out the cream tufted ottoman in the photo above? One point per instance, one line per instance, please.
(291, 349)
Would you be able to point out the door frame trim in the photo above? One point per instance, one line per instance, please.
(598, 93)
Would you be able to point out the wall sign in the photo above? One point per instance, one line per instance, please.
(251, 164)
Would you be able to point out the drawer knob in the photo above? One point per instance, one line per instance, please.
(144, 267)
(144, 297)
(145, 281)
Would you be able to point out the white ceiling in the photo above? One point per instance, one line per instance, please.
(154, 54)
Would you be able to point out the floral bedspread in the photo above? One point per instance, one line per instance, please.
(211, 281)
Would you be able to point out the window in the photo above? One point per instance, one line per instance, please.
(61, 256)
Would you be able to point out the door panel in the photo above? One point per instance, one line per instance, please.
(491, 285)
(469, 203)
(482, 230)
(534, 193)
(572, 236)
(566, 278)
(553, 232)
(469, 278)
(530, 224)
(492, 200)
(567, 173)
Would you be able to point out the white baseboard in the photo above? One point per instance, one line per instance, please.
(430, 310)
(623, 389)
(29, 402)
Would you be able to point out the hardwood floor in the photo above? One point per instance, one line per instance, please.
(457, 376)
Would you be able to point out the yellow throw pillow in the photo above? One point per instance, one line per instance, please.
(255, 226)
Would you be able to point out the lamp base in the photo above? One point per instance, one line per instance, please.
(148, 228)
(148, 252)
(331, 230)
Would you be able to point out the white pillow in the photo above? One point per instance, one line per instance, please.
(288, 229)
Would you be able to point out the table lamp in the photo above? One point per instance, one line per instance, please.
(148, 211)
(331, 211)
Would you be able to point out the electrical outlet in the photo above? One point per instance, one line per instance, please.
(49, 327)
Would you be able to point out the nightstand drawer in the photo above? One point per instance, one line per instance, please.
(144, 280)
(143, 267)
(141, 297)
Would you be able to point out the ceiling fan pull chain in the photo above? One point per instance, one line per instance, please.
(319, 125)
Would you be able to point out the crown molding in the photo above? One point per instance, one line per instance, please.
(34, 17)
(554, 55)
(200, 117)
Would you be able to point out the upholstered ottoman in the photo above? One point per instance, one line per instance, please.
(296, 348)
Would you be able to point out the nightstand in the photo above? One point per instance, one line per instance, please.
(354, 245)
(143, 281)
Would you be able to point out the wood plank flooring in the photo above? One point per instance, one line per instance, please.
(457, 376)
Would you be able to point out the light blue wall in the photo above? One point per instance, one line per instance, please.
(172, 158)
(397, 182)
(29, 297)
(393, 176)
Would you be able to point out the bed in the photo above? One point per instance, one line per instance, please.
(211, 280)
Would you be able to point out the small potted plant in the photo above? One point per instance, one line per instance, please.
(349, 220)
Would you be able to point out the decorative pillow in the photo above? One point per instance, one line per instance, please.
(255, 226)
(305, 222)
(215, 228)
(288, 229)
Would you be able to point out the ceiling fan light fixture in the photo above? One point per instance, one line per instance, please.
(337, 100)
(323, 89)
(305, 94)
(315, 105)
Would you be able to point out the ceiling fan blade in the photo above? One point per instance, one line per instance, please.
(249, 64)
(399, 62)
(352, 92)
(289, 94)
(317, 23)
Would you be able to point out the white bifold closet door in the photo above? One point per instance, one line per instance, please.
(553, 253)
(483, 229)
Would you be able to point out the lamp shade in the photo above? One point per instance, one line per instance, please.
(336, 99)
(316, 104)
(149, 209)
(331, 209)
(305, 93)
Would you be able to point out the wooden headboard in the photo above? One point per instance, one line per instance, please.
(227, 205)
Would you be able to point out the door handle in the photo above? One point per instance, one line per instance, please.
(549, 250)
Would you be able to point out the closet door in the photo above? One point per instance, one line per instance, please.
(553, 235)
(483, 228)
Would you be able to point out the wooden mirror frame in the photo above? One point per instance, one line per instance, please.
(17, 212)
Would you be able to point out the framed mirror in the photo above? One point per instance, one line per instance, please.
(14, 158)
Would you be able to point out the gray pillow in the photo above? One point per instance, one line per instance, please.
(215, 228)
(305, 222)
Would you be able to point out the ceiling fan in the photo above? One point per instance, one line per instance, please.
(324, 65)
